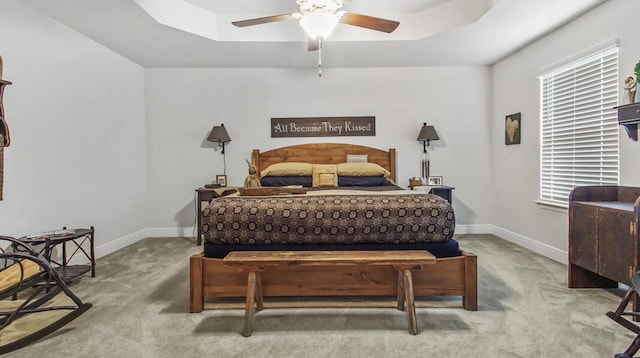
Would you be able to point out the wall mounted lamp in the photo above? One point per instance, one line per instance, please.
(219, 134)
(426, 135)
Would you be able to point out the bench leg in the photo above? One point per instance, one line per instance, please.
(248, 308)
(400, 291)
(411, 309)
(259, 302)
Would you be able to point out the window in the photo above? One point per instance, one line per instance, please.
(579, 127)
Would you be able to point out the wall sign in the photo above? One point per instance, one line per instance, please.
(323, 127)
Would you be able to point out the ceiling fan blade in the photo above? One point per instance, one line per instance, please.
(369, 22)
(263, 20)
(313, 45)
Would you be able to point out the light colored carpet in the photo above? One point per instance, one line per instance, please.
(141, 305)
(33, 322)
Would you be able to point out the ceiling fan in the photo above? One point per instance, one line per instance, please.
(319, 18)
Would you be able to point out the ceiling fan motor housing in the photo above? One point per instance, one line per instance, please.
(330, 6)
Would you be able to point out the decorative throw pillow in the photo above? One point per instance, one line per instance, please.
(357, 158)
(290, 169)
(325, 175)
(362, 170)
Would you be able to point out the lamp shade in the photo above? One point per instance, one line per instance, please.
(219, 134)
(427, 133)
(319, 23)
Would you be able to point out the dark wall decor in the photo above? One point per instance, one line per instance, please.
(5, 140)
(512, 126)
(323, 127)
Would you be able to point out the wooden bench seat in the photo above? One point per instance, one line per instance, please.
(403, 261)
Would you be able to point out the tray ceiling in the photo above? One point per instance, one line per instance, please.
(198, 33)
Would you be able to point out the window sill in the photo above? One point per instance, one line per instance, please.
(551, 206)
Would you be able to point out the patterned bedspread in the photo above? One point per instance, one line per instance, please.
(329, 217)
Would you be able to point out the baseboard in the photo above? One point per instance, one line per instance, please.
(531, 244)
(171, 232)
(526, 242)
(474, 229)
(132, 238)
(120, 243)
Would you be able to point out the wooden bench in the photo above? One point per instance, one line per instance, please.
(255, 262)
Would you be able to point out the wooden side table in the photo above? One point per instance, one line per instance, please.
(73, 242)
(203, 197)
(444, 192)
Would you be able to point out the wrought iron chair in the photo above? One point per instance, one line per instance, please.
(31, 290)
(620, 312)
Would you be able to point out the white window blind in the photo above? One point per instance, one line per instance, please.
(579, 127)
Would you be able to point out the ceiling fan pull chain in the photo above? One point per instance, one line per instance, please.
(319, 56)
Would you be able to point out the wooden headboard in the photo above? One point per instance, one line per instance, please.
(324, 153)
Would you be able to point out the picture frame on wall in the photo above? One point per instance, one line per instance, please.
(434, 181)
(512, 127)
(221, 180)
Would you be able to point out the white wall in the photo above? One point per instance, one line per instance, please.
(77, 122)
(516, 89)
(80, 132)
(183, 105)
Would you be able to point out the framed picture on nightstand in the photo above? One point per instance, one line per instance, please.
(221, 180)
(434, 181)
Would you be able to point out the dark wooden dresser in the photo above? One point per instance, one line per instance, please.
(603, 235)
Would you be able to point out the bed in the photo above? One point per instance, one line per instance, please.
(362, 217)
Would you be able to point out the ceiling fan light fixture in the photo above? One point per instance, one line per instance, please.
(319, 23)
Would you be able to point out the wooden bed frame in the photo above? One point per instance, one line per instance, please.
(451, 276)
(324, 153)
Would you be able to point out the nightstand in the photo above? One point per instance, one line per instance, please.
(203, 197)
(442, 191)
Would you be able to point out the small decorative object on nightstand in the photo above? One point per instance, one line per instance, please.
(203, 197)
(221, 180)
(252, 181)
(415, 182)
(434, 181)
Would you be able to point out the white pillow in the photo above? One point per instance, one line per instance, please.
(357, 158)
